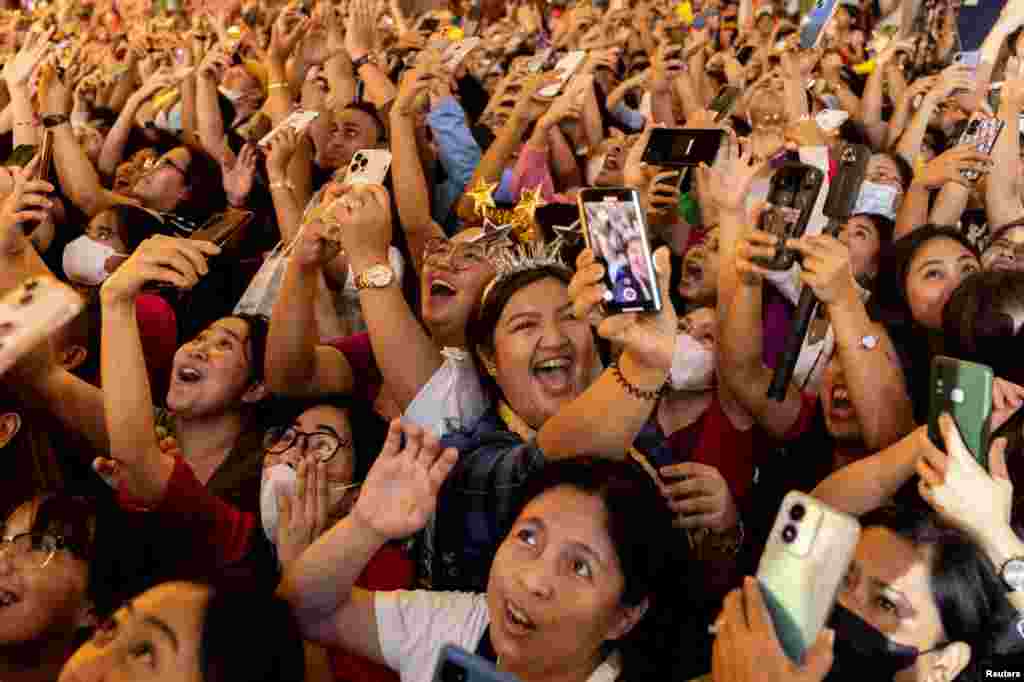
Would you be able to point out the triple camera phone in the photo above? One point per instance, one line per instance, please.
(616, 231)
(791, 199)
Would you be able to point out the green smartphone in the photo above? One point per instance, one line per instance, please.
(21, 155)
(964, 390)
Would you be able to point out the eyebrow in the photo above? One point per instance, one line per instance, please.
(232, 334)
(929, 263)
(154, 622)
(328, 427)
(530, 314)
(575, 544)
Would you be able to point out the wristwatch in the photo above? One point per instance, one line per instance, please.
(377, 277)
(1012, 574)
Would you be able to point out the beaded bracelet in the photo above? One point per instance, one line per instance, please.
(634, 391)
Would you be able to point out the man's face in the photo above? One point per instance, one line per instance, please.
(353, 130)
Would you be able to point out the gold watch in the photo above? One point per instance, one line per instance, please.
(376, 277)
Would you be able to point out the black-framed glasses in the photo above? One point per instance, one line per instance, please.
(460, 256)
(31, 550)
(167, 163)
(321, 445)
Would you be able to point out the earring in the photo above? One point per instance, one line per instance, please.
(490, 367)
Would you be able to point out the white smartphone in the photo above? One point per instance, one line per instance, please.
(368, 167)
(457, 52)
(802, 568)
(297, 121)
(30, 313)
(564, 69)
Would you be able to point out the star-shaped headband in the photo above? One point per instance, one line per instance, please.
(522, 219)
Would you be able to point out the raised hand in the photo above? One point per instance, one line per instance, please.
(282, 148)
(950, 167)
(400, 492)
(164, 260)
(826, 267)
(359, 34)
(304, 514)
(26, 203)
(699, 496)
(414, 84)
(728, 183)
(285, 34)
(238, 179)
(18, 71)
(363, 213)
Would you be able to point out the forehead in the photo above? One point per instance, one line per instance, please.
(231, 326)
(942, 248)
(325, 415)
(881, 162)
(885, 556)
(467, 235)
(861, 221)
(353, 118)
(179, 155)
(546, 295)
(21, 519)
(104, 219)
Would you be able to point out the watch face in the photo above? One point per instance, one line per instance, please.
(1013, 574)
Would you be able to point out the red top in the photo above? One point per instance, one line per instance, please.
(158, 331)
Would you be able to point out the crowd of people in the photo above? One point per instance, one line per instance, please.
(346, 391)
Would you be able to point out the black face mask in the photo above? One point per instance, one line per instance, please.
(861, 652)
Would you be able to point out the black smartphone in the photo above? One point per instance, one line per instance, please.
(725, 102)
(683, 147)
(429, 24)
(791, 199)
(616, 231)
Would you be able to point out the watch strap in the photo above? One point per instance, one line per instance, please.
(360, 63)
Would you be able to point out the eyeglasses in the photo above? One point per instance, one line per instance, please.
(321, 445)
(31, 550)
(165, 163)
(459, 256)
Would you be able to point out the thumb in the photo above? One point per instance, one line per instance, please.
(663, 268)
(997, 460)
(818, 660)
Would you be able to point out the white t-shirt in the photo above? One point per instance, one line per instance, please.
(413, 626)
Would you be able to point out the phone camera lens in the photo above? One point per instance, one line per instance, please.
(789, 533)
(797, 512)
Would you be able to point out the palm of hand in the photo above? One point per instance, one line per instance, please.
(397, 498)
(238, 181)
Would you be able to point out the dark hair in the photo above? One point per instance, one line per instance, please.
(970, 597)
(654, 559)
(205, 187)
(135, 225)
(906, 171)
(890, 305)
(979, 322)
(482, 325)
(883, 226)
(369, 429)
(371, 111)
(259, 329)
(271, 651)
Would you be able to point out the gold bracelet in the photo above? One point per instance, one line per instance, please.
(282, 185)
(278, 85)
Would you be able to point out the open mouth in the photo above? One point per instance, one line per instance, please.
(841, 401)
(8, 598)
(518, 618)
(555, 374)
(442, 289)
(189, 375)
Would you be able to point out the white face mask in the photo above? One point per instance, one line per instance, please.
(278, 479)
(693, 365)
(85, 261)
(877, 199)
(233, 96)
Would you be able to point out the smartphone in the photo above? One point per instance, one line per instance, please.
(21, 155)
(683, 147)
(455, 664)
(564, 69)
(31, 312)
(297, 121)
(964, 390)
(814, 26)
(802, 567)
(368, 167)
(616, 231)
(457, 52)
(982, 133)
(792, 197)
(725, 102)
(225, 227)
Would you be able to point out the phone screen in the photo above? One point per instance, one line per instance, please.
(677, 148)
(617, 235)
(982, 133)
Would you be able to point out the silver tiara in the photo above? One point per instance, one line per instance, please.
(513, 259)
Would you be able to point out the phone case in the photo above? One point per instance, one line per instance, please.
(455, 664)
(725, 102)
(845, 186)
(814, 28)
(564, 69)
(602, 239)
(368, 167)
(226, 230)
(666, 147)
(457, 52)
(791, 200)
(297, 121)
(964, 390)
(982, 133)
(802, 567)
(33, 311)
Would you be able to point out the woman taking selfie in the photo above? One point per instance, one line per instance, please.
(569, 584)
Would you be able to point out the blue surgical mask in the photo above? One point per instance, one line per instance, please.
(877, 199)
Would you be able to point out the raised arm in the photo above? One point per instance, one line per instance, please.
(210, 121)
(296, 365)
(128, 405)
(397, 498)
(359, 42)
(1002, 200)
(112, 153)
(17, 74)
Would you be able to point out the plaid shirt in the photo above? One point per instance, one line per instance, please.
(477, 505)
